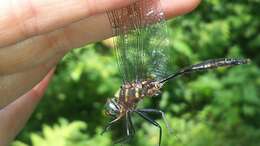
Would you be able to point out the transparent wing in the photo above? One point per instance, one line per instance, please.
(141, 45)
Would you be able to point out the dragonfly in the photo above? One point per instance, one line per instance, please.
(142, 49)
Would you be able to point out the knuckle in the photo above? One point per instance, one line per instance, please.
(91, 7)
(30, 26)
(25, 16)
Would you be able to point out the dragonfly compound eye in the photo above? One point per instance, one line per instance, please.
(112, 107)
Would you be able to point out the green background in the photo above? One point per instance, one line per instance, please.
(215, 108)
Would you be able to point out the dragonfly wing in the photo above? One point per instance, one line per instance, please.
(141, 45)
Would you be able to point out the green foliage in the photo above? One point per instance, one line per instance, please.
(215, 108)
(65, 134)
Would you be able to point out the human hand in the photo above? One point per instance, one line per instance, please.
(35, 35)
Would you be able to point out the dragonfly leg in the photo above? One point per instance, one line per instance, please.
(161, 113)
(110, 124)
(107, 127)
(131, 123)
(147, 118)
(130, 131)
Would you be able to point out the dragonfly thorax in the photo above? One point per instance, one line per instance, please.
(129, 96)
(131, 93)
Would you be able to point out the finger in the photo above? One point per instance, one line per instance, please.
(31, 53)
(173, 8)
(15, 85)
(15, 115)
(41, 48)
(21, 19)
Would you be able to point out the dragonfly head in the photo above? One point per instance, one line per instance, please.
(112, 108)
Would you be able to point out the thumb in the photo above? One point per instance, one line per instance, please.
(14, 116)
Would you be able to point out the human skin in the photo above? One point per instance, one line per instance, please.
(36, 34)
